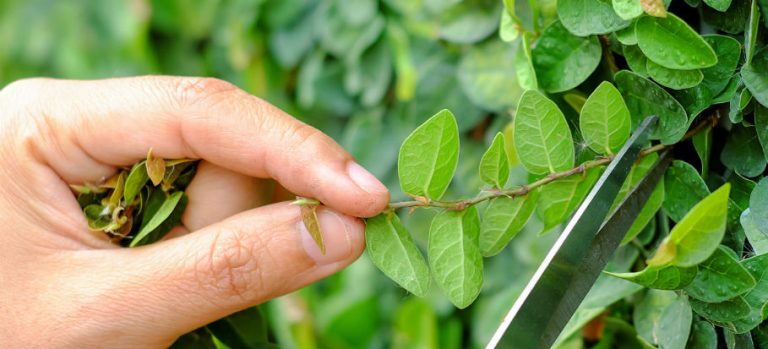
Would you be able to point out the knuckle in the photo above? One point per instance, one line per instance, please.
(229, 268)
(189, 91)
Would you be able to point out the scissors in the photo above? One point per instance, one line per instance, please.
(580, 253)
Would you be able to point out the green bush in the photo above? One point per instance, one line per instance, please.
(530, 100)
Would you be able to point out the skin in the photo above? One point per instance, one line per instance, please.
(66, 287)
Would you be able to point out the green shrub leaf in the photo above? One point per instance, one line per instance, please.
(393, 251)
(674, 324)
(752, 31)
(684, 189)
(526, 75)
(135, 181)
(628, 9)
(587, 17)
(703, 336)
(755, 76)
(494, 165)
(673, 78)
(654, 203)
(563, 60)
(743, 153)
(487, 75)
(757, 235)
(644, 98)
(702, 142)
(664, 278)
(428, 157)
(758, 203)
(542, 138)
(454, 255)
(502, 220)
(636, 60)
(728, 52)
(672, 43)
(604, 121)
(725, 311)
(720, 5)
(163, 212)
(698, 234)
(755, 298)
(557, 200)
(720, 278)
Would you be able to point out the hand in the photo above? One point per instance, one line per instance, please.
(62, 286)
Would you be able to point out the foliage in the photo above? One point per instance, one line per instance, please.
(554, 95)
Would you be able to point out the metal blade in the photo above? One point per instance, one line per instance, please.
(579, 255)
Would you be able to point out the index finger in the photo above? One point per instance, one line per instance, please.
(115, 122)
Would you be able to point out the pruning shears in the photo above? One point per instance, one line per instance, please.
(580, 253)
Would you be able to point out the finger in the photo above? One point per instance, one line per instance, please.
(115, 122)
(183, 283)
(217, 193)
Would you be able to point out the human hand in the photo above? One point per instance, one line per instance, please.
(62, 286)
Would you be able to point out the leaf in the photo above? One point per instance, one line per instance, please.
(636, 60)
(415, 325)
(576, 100)
(628, 9)
(244, 329)
(644, 98)
(674, 324)
(720, 5)
(526, 75)
(703, 336)
(502, 220)
(654, 7)
(758, 203)
(488, 77)
(454, 255)
(117, 193)
(393, 251)
(755, 76)
(743, 153)
(756, 235)
(646, 214)
(428, 157)
(694, 100)
(494, 165)
(587, 17)
(647, 313)
(664, 278)
(542, 138)
(558, 199)
(761, 126)
(135, 181)
(155, 168)
(562, 60)
(670, 42)
(752, 32)
(508, 31)
(627, 35)
(728, 52)
(730, 89)
(466, 23)
(755, 298)
(162, 213)
(604, 121)
(684, 188)
(309, 218)
(702, 142)
(726, 311)
(99, 217)
(720, 278)
(674, 78)
(698, 234)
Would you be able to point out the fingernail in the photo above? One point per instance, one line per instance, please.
(364, 179)
(338, 236)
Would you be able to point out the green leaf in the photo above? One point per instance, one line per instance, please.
(694, 100)
(604, 121)
(636, 60)
(758, 203)
(703, 336)
(761, 126)
(415, 325)
(526, 75)
(743, 153)
(674, 324)
(720, 5)
(161, 215)
(428, 157)
(587, 17)
(467, 23)
(728, 51)
(702, 142)
(488, 77)
(755, 76)
(393, 251)
(698, 234)
(628, 9)
(494, 165)
(558, 199)
(644, 98)
(508, 31)
(726, 311)
(664, 278)
(502, 220)
(674, 78)
(648, 311)
(756, 234)
(755, 298)
(646, 214)
(752, 32)
(542, 138)
(99, 218)
(627, 35)
(720, 278)
(670, 42)
(727, 93)
(563, 60)
(244, 329)
(454, 255)
(684, 189)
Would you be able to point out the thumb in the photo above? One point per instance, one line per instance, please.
(232, 265)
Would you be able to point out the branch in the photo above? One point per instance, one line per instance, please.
(710, 122)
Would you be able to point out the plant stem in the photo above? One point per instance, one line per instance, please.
(525, 189)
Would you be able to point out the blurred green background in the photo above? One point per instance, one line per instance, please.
(367, 72)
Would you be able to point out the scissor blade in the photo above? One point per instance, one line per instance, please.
(578, 256)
